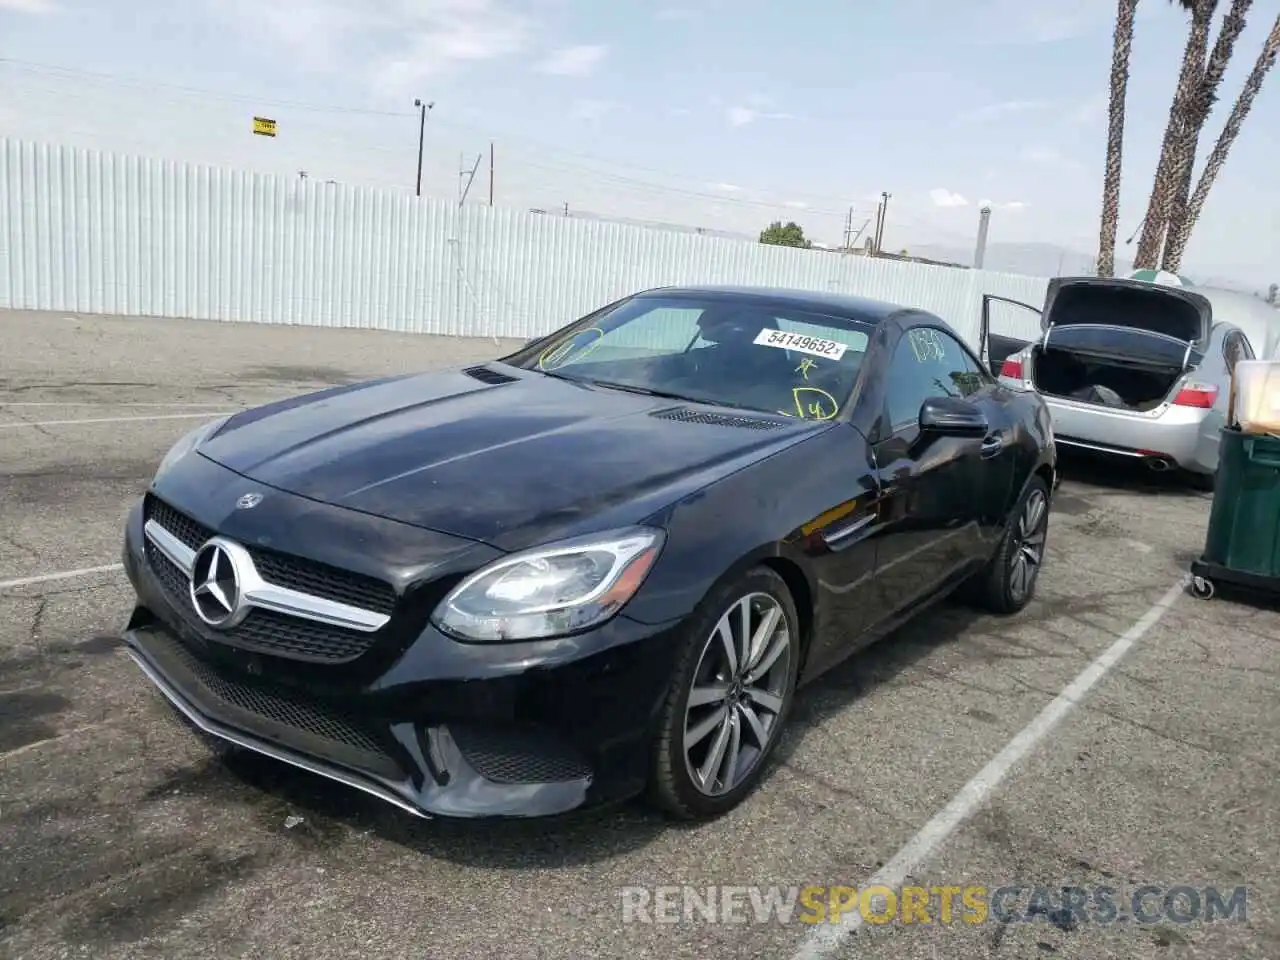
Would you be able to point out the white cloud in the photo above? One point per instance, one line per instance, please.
(1038, 21)
(741, 115)
(1011, 205)
(1049, 157)
(28, 6)
(942, 197)
(726, 187)
(796, 205)
(579, 61)
(395, 43)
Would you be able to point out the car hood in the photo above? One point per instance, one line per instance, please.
(500, 455)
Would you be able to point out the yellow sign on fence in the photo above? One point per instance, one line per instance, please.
(264, 127)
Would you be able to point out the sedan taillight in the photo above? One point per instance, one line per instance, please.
(1012, 368)
(1200, 395)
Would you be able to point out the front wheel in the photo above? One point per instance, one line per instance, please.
(729, 698)
(1008, 583)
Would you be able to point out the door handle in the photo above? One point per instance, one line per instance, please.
(993, 444)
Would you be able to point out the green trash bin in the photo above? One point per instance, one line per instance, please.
(1242, 545)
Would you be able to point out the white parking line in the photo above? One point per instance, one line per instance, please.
(64, 575)
(160, 416)
(825, 940)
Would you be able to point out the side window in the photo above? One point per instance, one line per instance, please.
(927, 363)
(971, 377)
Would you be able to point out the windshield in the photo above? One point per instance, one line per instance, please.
(729, 353)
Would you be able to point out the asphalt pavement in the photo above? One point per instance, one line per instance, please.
(1117, 734)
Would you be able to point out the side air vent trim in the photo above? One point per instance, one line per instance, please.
(684, 415)
(485, 375)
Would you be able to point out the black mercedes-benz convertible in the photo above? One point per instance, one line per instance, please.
(599, 566)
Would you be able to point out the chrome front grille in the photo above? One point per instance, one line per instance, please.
(305, 576)
(296, 608)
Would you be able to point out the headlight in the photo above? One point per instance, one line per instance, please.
(188, 443)
(550, 591)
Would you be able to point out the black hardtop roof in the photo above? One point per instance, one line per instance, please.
(845, 306)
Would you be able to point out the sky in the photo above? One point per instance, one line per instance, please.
(723, 114)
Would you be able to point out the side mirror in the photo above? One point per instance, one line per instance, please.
(952, 415)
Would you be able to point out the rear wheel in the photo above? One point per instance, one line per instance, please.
(1008, 582)
(729, 699)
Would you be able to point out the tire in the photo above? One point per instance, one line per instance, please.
(748, 709)
(997, 587)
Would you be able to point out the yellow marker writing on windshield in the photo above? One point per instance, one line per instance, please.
(815, 404)
(806, 365)
(555, 356)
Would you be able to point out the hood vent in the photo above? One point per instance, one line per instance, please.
(684, 415)
(485, 375)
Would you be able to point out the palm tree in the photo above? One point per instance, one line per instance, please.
(1198, 110)
(1218, 157)
(1120, 46)
(1189, 78)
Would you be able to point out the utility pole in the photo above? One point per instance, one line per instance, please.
(980, 251)
(470, 179)
(854, 238)
(491, 173)
(566, 208)
(884, 215)
(848, 232)
(422, 130)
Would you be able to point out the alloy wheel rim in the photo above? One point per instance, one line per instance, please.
(737, 695)
(1028, 545)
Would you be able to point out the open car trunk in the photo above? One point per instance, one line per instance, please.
(1119, 344)
(1112, 381)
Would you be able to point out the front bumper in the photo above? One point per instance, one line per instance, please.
(443, 729)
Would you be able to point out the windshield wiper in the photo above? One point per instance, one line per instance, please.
(643, 391)
(666, 395)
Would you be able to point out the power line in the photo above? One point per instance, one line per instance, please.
(554, 155)
(75, 72)
(436, 120)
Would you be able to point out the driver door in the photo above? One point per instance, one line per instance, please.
(935, 490)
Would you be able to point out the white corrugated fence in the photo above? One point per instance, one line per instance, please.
(90, 232)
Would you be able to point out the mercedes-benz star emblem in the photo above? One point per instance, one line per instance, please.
(215, 585)
(248, 501)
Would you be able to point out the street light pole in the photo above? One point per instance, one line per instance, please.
(422, 128)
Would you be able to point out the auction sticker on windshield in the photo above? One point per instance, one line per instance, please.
(831, 349)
